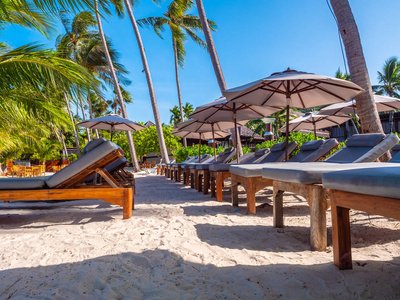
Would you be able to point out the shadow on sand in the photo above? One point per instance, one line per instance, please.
(156, 274)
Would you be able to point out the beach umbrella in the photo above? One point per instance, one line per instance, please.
(194, 125)
(111, 122)
(201, 136)
(383, 103)
(313, 121)
(223, 110)
(291, 88)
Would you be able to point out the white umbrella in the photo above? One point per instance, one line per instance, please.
(111, 122)
(201, 136)
(223, 110)
(314, 121)
(194, 125)
(383, 103)
(294, 89)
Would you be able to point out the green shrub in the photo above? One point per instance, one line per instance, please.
(182, 153)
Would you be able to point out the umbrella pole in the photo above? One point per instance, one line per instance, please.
(287, 129)
(199, 146)
(215, 153)
(237, 136)
(315, 131)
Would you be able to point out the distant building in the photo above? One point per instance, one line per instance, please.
(149, 123)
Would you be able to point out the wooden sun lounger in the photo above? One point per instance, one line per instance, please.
(74, 188)
(341, 203)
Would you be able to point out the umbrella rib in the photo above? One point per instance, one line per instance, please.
(338, 85)
(330, 93)
(273, 92)
(301, 100)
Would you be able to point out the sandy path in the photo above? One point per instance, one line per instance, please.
(181, 244)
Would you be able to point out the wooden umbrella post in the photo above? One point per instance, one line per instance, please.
(199, 146)
(236, 132)
(287, 131)
(315, 130)
(213, 136)
(111, 131)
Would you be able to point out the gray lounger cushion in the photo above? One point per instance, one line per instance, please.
(247, 158)
(93, 144)
(277, 152)
(383, 181)
(313, 150)
(364, 148)
(32, 183)
(194, 165)
(395, 150)
(82, 163)
(308, 173)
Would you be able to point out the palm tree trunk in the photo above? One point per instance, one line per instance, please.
(215, 62)
(73, 125)
(366, 107)
(89, 101)
(178, 85)
(161, 141)
(117, 88)
(83, 114)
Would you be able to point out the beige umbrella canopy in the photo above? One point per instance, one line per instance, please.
(194, 125)
(223, 110)
(111, 122)
(201, 135)
(313, 121)
(291, 88)
(383, 103)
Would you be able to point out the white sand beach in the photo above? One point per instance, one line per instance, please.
(181, 244)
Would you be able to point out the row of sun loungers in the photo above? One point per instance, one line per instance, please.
(343, 181)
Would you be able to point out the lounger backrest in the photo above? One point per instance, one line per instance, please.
(313, 150)
(243, 159)
(395, 158)
(258, 155)
(226, 155)
(277, 153)
(90, 158)
(395, 150)
(361, 148)
(190, 159)
(93, 144)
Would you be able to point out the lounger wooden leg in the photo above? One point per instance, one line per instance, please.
(318, 229)
(187, 176)
(278, 208)
(219, 182)
(212, 186)
(341, 237)
(234, 193)
(206, 181)
(191, 180)
(199, 181)
(127, 205)
(251, 196)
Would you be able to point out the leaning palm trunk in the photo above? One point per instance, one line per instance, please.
(178, 86)
(161, 141)
(73, 125)
(83, 114)
(365, 103)
(215, 62)
(117, 88)
(91, 114)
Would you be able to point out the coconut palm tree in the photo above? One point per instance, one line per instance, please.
(161, 140)
(347, 26)
(175, 114)
(214, 59)
(67, 44)
(115, 80)
(389, 80)
(181, 25)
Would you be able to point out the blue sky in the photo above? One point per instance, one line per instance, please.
(254, 39)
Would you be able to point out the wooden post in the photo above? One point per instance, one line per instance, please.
(318, 208)
(341, 238)
(278, 208)
(213, 136)
(251, 195)
(199, 146)
(236, 133)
